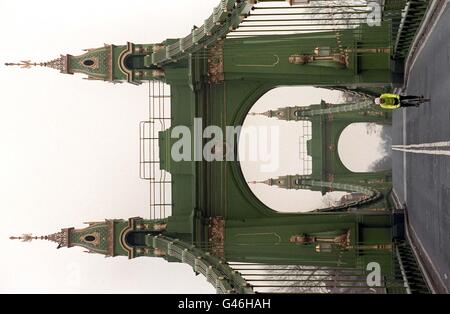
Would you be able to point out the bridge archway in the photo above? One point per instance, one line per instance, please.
(226, 188)
(285, 159)
(320, 144)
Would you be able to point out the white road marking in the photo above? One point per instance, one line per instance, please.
(424, 151)
(405, 190)
(424, 145)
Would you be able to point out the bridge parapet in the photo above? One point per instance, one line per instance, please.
(306, 277)
(406, 17)
(216, 271)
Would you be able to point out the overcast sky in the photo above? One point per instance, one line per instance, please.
(70, 147)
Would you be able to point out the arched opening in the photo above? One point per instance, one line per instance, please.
(366, 147)
(133, 62)
(281, 149)
(136, 238)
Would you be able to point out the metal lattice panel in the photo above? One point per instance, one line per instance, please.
(150, 165)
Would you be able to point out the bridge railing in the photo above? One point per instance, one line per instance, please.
(216, 270)
(226, 16)
(397, 272)
(308, 279)
(272, 18)
(149, 165)
(237, 19)
(363, 268)
(406, 24)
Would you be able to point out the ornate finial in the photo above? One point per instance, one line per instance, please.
(60, 237)
(267, 113)
(57, 64)
(27, 237)
(23, 64)
(268, 182)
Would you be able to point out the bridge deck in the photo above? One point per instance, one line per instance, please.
(422, 180)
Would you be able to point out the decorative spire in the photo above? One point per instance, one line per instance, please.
(268, 182)
(285, 182)
(267, 113)
(27, 237)
(57, 64)
(60, 237)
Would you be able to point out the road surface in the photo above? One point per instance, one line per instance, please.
(421, 151)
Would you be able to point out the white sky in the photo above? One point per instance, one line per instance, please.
(70, 147)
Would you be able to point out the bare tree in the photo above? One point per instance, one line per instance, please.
(385, 148)
(342, 13)
(371, 128)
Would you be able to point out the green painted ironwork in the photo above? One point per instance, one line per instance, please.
(406, 16)
(368, 104)
(216, 271)
(226, 16)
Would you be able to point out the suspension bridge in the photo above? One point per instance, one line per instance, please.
(204, 214)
